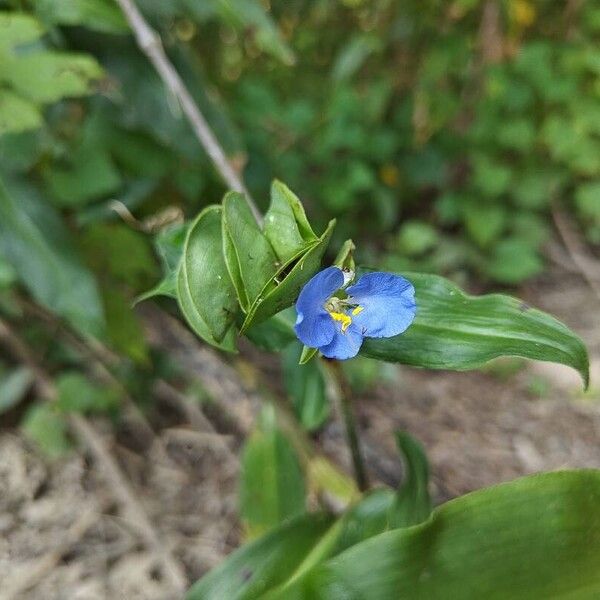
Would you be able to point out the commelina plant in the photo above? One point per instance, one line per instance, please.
(232, 275)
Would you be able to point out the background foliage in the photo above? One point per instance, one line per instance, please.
(438, 134)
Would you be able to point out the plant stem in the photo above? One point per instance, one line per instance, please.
(347, 411)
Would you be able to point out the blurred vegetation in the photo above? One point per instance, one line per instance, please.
(438, 133)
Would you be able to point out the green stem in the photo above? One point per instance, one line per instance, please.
(352, 437)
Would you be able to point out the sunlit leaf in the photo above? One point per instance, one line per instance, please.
(456, 331)
(98, 15)
(536, 537)
(210, 287)
(204, 291)
(286, 225)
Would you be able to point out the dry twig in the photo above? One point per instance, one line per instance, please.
(151, 45)
(588, 268)
(118, 482)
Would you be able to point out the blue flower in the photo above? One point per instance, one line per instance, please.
(335, 320)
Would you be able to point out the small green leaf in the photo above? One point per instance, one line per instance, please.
(345, 258)
(77, 394)
(514, 260)
(417, 237)
(168, 244)
(305, 385)
(97, 15)
(13, 387)
(484, 222)
(248, 15)
(209, 285)
(45, 77)
(48, 429)
(286, 225)
(17, 114)
(272, 484)
(307, 355)
(587, 200)
(251, 261)
(456, 331)
(91, 175)
(257, 567)
(412, 504)
(123, 327)
(536, 537)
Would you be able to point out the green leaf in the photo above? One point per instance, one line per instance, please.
(90, 175)
(127, 259)
(353, 55)
(286, 225)
(48, 429)
(484, 222)
(305, 385)
(13, 387)
(264, 563)
(536, 537)
(45, 77)
(345, 258)
(365, 519)
(34, 240)
(413, 503)
(514, 260)
(77, 394)
(123, 327)
(251, 261)
(38, 76)
(587, 200)
(7, 274)
(417, 237)
(205, 273)
(252, 16)
(283, 289)
(456, 331)
(188, 308)
(307, 355)
(272, 486)
(98, 15)
(168, 244)
(17, 114)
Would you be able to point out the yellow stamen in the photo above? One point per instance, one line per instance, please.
(343, 318)
(358, 310)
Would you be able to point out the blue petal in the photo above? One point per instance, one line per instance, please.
(388, 303)
(314, 327)
(343, 345)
